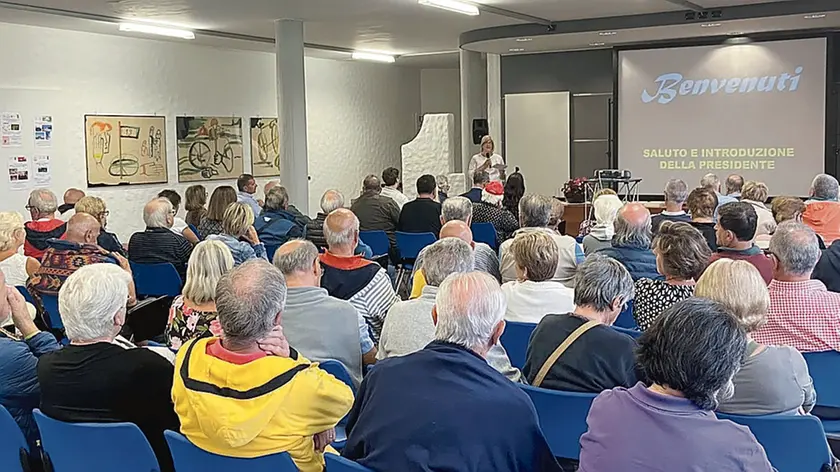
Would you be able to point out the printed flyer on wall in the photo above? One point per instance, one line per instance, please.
(11, 132)
(41, 172)
(19, 178)
(43, 130)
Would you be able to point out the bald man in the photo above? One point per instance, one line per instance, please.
(68, 209)
(631, 242)
(350, 277)
(77, 249)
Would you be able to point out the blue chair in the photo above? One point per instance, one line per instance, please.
(485, 233)
(625, 318)
(823, 367)
(339, 464)
(50, 304)
(70, 447)
(409, 246)
(630, 332)
(562, 418)
(190, 458)
(195, 231)
(378, 242)
(26, 295)
(338, 371)
(14, 452)
(156, 280)
(270, 250)
(792, 443)
(515, 340)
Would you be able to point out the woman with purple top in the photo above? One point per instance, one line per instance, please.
(690, 356)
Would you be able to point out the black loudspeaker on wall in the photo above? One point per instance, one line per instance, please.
(481, 128)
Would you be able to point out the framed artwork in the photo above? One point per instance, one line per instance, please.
(209, 148)
(125, 150)
(265, 147)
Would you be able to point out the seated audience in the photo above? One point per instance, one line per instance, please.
(586, 225)
(460, 209)
(803, 314)
(319, 326)
(179, 226)
(44, 226)
(275, 225)
(68, 208)
(534, 217)
(514, 191)
(533, 294)
(772, 379)
(16, 267)
(443, 187)
(98, 378)
(391, 183)
(785, 208)
(211, 222)
(301, 219)
(605, 209)
(247, 186)
(822, 211)
(755, 193)
(555, 222)
(676, 193)
(350, 277)
(375, 211)
(712, 182)
(734, 184)
(702, 204)
(481, 421)
(196, 198)
(489, 210)
(422, 215)
(409, 327)
(631, 242)
(689, 356)
(480, 180)
(331, 200)
(293, 405)
(681, 256)
(19, 390)
(598, 357)
(193, 312)
(736, 228)
(158, 244)
(95, 207)
(239, 234)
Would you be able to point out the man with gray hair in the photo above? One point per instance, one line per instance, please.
(822, 211)
(803, 314)
(157, 244)
(483, 421)
(535, 216)
(409, 328)
(350, 277)
(712, 182)
(596, 357)
(276, 225)
(734, 183)
(42, 206)
(331, 200)
(676, 193)
(321, 327)
(301, 219)
(248, 393)
(631, 242)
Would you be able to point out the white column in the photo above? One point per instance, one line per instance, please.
(473, 101)
(291, 111)
(494, 97)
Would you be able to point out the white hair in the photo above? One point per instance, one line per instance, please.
(469, 306)
(456, 208)
(331, 200)
(341, 238)
(91, 298)
(43, 200)
(155, 213)
(606, 209)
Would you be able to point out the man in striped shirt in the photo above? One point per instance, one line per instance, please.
(363, 283)
(157, 244)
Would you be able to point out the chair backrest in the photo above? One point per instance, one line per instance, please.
(190, 458)
(14, 452)
(625, 318)
(630, 332)
(515, 340)
(339, 464)
(50, 304)
(26, 295)
(823, 367)
(484, 233)
(95, 447)
(338, 371)
(270, 250)
(378, 242)
(156, 280)
(562, 418)
(793, 443)
(410, 244)
(195, 231)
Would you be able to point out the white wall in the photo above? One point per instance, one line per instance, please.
(358, 114)
(440, 92)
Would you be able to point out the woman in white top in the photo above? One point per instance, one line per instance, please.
(755, 193)
(534, 295)
(15, 266)
(488, 161)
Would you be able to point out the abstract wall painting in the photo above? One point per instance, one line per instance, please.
(125, 150)
(209, 148)
(265, 147)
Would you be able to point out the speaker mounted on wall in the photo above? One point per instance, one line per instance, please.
(480, 129)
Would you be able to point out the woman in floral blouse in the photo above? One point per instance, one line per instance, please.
(193, 313)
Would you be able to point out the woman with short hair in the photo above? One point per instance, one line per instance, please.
(681, 256)
(755, 193)
(239, 235)
(211, 222)
(196, 198)
(605, 208)
(702, 204)
(772, 379)
(95, 207)
(689, 357)
(15, 266)
(193, 312)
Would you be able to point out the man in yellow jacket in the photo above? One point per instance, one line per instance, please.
(248, 394)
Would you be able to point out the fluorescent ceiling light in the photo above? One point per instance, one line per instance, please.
(158, 30)
(815, 16)
(516, 49)
(596, 44)
(608, 33)
(372, 56)
(710, 25)
(452, 5)
(523, 40)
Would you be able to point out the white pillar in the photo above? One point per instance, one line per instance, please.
(291, 111)
(473, 101)
(494, 97)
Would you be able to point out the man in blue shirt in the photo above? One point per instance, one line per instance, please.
(276, 225)
(247, 188)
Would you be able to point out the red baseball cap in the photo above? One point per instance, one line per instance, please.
(495, 188)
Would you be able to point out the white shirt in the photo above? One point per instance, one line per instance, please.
(529, 301)
(478, 159)
(395, 195)
(178, 226)
(14, 268)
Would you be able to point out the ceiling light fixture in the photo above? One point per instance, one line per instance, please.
(608, 33)
(596, 44)
(374, 57)
(157, 30)
(815, 16)
(710, 25)
(516, 49)
(523, 40)
(452, 5)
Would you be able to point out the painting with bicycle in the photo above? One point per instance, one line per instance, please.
(265, 147)
(209, 148)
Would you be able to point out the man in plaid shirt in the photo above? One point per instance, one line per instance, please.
(803, 314)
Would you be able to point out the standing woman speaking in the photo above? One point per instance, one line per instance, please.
(488, 161)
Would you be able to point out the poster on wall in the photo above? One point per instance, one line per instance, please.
(125, 150)
(19, 178)
(209, 148)
(265, 147)
(11, 133)
(42, 174)
(43, 130)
